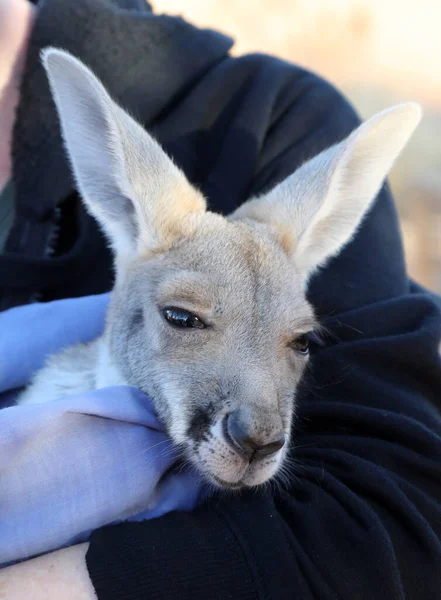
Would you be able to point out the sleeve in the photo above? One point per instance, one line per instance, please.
(357, 514)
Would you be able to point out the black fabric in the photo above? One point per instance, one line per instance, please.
(236, 126)
(358, 518)
(148, 63)
(359, 515)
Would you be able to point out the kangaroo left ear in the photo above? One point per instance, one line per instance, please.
(316, 211)
(141, 199)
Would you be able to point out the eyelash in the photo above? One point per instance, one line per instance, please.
(301, 344)
(181, 318)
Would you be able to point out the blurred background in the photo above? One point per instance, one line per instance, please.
(378, 52)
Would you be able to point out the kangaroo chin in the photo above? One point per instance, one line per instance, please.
(208, 314)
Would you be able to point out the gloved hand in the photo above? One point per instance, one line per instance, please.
(70, 466)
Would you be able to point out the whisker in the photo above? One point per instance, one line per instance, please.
(154, 446)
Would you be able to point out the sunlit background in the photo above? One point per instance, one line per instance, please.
(378, 52)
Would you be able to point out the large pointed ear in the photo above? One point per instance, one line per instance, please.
(317, 210)
(141, 199)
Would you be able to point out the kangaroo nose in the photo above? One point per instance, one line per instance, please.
(240, 439)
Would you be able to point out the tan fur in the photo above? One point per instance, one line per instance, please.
(176, 217)
(243, 277)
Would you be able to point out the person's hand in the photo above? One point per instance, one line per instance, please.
(94, 436)
(29, 334)
(16, 19)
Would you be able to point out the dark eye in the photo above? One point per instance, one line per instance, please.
(301, 344)
(182, 318)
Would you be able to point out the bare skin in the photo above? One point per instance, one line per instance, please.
(61, 574)
(16, 19)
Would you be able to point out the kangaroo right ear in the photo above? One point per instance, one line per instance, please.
(316, 211)
(141, 199)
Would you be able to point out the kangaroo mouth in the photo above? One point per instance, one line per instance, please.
(229, 484)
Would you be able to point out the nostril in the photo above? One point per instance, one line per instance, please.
(236, 436)
(242, 442)
(270, 448)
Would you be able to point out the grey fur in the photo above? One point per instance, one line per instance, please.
(245, 276)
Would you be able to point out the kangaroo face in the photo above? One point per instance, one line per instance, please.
(209, 314)
(215, 332)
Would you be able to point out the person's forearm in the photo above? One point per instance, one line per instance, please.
(62, 574)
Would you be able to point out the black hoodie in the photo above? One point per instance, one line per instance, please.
(360, 516)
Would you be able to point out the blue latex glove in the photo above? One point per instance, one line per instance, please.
(81, 462)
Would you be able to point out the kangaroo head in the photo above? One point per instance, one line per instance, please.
(208, 314)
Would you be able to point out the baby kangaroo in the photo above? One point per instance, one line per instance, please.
(208, 315)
